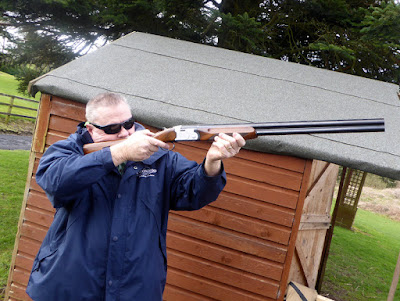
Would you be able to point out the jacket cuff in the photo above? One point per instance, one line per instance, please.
(104, 156)
(221, 172)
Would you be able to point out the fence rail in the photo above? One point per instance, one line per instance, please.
(11, 105)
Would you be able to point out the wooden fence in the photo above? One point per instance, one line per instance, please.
(12, 105)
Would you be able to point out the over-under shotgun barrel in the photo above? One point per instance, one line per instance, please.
(253, 130)
(321, 127)
(376, 123)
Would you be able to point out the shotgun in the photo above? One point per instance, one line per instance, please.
(253, 130)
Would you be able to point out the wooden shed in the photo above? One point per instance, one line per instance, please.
(269, 224)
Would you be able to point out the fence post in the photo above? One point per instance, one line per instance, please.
(10, 109)
(395, 281)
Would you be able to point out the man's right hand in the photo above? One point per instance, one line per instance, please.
(137, 147)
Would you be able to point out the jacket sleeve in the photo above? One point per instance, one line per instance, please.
(64, 172)
(192, 189)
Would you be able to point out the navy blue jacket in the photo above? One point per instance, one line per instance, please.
(108, 237)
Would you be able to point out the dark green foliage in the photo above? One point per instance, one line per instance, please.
(354, 36)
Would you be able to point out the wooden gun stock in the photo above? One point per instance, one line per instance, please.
(253, 130)
(170, 135)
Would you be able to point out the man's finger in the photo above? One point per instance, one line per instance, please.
(159, 143)
(239, 139)
(229, 142)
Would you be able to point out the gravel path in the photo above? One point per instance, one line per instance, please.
(13, 142)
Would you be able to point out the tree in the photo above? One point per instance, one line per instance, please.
(359, 37)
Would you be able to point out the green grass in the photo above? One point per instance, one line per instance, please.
(9, 85)
(361, 262)
(13, 175)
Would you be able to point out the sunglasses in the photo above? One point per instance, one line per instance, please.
(116, 127)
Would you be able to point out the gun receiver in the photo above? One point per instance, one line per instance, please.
(253, 130)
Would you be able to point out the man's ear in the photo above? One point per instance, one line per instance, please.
(89, 128)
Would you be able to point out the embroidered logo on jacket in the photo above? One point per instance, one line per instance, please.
(147, 172)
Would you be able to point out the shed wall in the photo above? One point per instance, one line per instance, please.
(238, 248)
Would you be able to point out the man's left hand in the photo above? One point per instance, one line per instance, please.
(223, 147)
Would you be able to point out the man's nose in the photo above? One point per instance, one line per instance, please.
(123, 133)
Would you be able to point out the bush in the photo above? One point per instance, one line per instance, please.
(374, 181)
(379, 182)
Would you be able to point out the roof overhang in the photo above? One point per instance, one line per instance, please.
(170, 82)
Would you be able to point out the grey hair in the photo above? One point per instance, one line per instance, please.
(106, 99)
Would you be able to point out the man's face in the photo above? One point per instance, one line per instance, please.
(111, 115)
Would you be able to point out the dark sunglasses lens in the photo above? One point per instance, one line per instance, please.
(129, 124)
(116, 128)
(112, 129)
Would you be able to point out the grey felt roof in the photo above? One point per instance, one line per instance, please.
(170, 82)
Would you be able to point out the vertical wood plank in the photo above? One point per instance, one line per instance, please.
(42, 123)
(295, 228)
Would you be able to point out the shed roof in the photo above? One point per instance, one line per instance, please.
(170, 82)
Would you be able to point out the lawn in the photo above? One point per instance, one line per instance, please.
(361, 262)
(8, 85)
(13, 175)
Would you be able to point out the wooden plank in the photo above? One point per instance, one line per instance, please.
(17, 292)
(296, 270)
(35, 164)
(24, 261)
(262, 192)
(281, 161)
(302, 256)
(53, 137)
(210, 289)
(228, 238)
(63, 125)
(313, 226)
(42, 122)
(239, 223)
(21, 277)
(309, 250)
(67, 108)
(317, 169)
(308, 293)
(315, 218)
(173, 293)
(251, 170)
(39, 217)
(33, 231)
(224, 256)
(29, 246)
(39, 200)
(320, 195)
(34, 186)
(315, 222)
(296, 224)
(254, 208)
(264, 173)
(219, 273)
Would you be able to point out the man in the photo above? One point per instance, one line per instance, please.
(108, 237)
